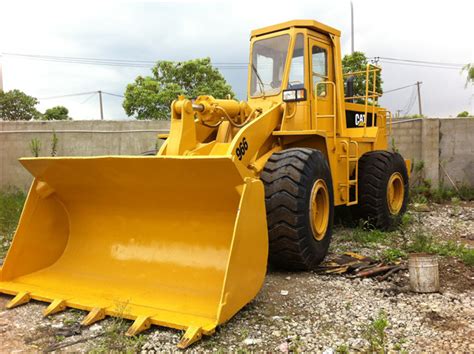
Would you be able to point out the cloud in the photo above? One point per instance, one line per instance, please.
(153, 30)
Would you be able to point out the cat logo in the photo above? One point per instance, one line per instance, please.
(359, 119)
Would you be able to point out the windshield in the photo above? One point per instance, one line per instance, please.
(268, 62)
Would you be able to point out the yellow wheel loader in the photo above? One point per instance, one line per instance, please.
(182, 239)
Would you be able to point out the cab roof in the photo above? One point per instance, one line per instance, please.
(310, 24)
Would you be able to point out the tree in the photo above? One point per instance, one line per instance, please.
(56, 113)
(357, 61)
(150, 97)
(469, 68)
(463, 114)
(17, 105)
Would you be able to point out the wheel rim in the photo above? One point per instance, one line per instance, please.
(319, 209)
(395, 193)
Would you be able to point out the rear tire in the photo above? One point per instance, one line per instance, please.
(383, 189)
(300, 208)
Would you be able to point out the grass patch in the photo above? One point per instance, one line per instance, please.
(393, 255)
(368, 237)
(423, 243)
(424, 192)
(342, 349)
(11, 205)
(375, 334)
(114, 339)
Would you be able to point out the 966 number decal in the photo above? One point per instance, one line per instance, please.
(242, 149)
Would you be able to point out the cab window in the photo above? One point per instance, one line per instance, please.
(268, 63)
(296, 80)
(320, 70)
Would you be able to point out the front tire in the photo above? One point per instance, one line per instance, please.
(300, 208)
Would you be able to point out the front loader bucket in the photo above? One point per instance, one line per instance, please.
(172, 241)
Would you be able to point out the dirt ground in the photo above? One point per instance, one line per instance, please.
(297, 311)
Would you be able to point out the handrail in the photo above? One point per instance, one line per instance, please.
(316, 116)
(369, 93)
(390, 115)
(375, 68)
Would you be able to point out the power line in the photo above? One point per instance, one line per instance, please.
(113, 94)
(104, 59)
(419, 61)
(80, 94)
(133, 63)
(421, 65)
(411, 102)
(88, 98)
(398, 88)
(69, 95)
(111, 62)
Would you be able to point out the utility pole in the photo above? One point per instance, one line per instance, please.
(398, 113)
(418, 83)
(101, 107)
(352, 28)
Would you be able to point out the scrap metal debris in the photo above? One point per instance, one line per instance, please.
(354, 265)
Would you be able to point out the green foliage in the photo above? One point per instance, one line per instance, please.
(357, 61)
(465, 192)
(394, 146)
(423, 243)
(413, 116)
(420, 242)
(54, 144)
(423, 191)
(442, 194)
(469, 69)
(150, 97)
(56, 113)
(464, 114)
(342, 349)
(11, 205)
(35, 147)
(419, 166)
(17, 105)
(114, 339)
(364, 236)
(375, 333)
(393, 254)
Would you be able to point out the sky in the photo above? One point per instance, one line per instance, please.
(435, 31)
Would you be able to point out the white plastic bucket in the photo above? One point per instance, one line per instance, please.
(424, 273)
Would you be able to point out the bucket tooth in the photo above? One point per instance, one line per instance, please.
(141, 324)
(96, 314)
(192, 335)
(56, 306)
(19, 299)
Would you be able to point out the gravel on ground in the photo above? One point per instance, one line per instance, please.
(299, 311)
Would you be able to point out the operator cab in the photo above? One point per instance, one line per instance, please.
(293, 62)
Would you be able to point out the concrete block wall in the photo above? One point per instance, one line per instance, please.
(406, 138)
(75, 138)
(430, 149)
(456, 147)
(445, 145)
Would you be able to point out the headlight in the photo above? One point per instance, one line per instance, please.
(293, 95)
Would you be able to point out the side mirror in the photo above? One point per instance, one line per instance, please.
(294, 95)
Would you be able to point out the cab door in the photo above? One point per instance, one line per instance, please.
(322, 83)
